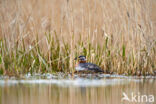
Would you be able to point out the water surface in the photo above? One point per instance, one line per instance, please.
(75, 90)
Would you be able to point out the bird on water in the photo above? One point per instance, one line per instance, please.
(83, 66)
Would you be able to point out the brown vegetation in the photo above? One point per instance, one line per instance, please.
(46, 35)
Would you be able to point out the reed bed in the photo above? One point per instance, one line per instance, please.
(40, 36)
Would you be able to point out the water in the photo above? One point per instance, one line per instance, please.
(101, 89)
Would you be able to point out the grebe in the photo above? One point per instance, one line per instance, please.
(84, 66)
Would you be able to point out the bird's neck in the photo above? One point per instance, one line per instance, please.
(82, 61)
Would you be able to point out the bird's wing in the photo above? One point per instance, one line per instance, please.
(94, 67)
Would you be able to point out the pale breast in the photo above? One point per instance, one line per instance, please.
(79, 68)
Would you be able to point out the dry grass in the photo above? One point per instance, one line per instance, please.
(46, 35)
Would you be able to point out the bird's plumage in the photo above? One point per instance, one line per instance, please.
(83, 66)
(88, 66)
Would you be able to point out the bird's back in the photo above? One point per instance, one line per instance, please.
(90, 67)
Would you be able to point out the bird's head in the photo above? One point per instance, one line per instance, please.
(81, 59)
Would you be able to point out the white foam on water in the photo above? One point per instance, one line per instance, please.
(69, 82)
(82, 80)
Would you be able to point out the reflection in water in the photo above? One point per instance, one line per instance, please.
(73, 92)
